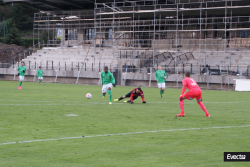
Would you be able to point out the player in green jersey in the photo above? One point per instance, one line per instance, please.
(21, 72)
(40, 75)
(160, 76)
(108, 81)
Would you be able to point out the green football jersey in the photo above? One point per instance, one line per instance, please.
(20, 70)
(40, 73)
(107, 78)
(160, 75)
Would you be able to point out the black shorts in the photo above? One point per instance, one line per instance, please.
(129, 94)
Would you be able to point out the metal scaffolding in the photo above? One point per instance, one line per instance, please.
(151, 32)
(177, 34)
(65, 29)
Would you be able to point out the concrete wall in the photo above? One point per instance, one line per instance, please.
(198, 78)
(68, 80)
(52, 73)
(129, 76)
(132, 79)
(172, 84)
(129, 82)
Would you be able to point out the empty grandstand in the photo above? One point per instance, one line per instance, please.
(200, 36)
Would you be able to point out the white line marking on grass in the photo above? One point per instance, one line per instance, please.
(82, 102)
(56, 104)
(205, 102)
(122, 134)
(187, 101)
(35, 104)
(69, 104)
(34, 101)
(72, 115)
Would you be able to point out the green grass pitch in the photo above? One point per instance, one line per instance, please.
(42, 112)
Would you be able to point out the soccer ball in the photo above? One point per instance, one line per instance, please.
(88, 96)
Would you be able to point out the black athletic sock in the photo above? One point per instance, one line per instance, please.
(120, 98)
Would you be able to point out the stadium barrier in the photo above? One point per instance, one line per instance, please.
(242, 70)
(208, 76)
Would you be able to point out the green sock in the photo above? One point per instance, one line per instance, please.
(110, 95)
(20, 83)
(103, 95)
(39, 81)
(161, 93)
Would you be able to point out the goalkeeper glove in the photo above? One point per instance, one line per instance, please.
(144, 102)
(114, 85)
(18, 74)
(23, 71)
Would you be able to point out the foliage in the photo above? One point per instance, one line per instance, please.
(18, 15)
(13, 37)
(45, 35)
(5, 11)
(23, 16)
(25, 42)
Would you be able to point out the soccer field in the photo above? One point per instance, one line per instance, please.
(55, 125)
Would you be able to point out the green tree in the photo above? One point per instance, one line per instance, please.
(13, 37)
(46, 35)
(5, 10)
(23, 16)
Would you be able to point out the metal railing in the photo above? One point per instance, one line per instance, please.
(125, 75)
(130, 68)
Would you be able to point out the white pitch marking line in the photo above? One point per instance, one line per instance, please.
(42, 101)
(119, 134)
(72, 115)
(34, 101)
(34, 104)
(56, 104)
(205, 102)
(125, 103)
